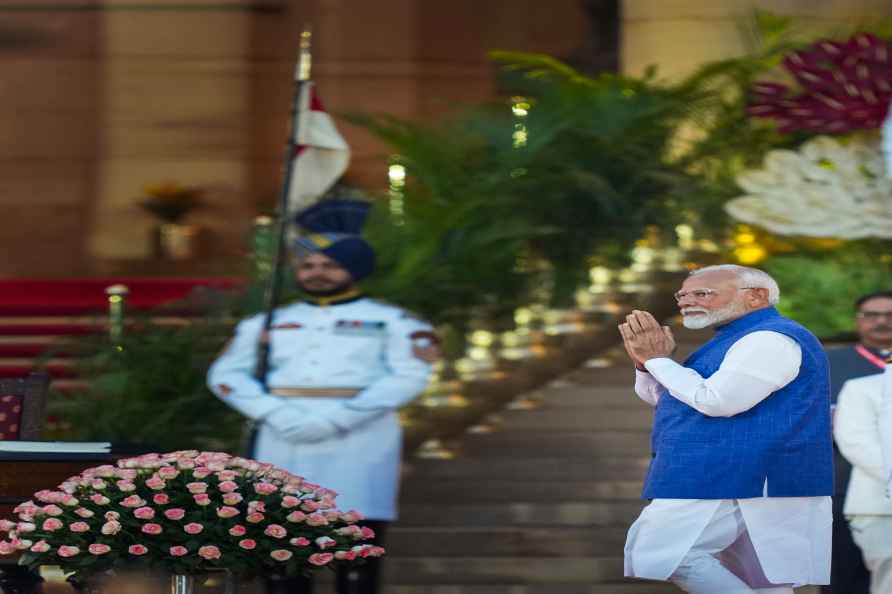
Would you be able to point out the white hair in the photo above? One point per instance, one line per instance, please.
(747, 277)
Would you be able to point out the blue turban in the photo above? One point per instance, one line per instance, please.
(332, 228)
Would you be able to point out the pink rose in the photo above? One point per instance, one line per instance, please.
(175, 513)
(79, 527)
(6, 525)
(209, 552)
(201, 473)
(296, 516)
(41, 546)
(317, 520)
(283, 555)
(133, 501)
(126, 486)
(319, 558)
(168, 472)
(53, 510)
(227, 486)
(248, 544)
(99, 499)
(69, 500)
(112, 515)
(99, 484)
(178, 551)
(289, 501)
(232, 499)
(151, 528)
(197, 487)
(265, 488)
(111, 528)
(144, 513)
(255, 518)
(67, 551)
(367, 533)
(160, 499)
(155, 483)
(6, 547)
(376, 551)
(98, 548)
(137, 549)
(202, 499)
(352, 516)
(256, 506)
(237, 530)
(226, 475)
(193, 528)
(185, 464)
(345, 555)
(309, 505)
(25, 527)
(300, 541)
(84, 512)
(22, 544)
(324, 542)
(227, 512)
(276, 531)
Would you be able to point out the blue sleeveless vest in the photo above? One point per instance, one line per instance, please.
(785, 439)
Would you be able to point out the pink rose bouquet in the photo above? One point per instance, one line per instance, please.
(186, 512)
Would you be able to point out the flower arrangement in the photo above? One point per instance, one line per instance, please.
(844, 86)
(186, 513)
(169, 201)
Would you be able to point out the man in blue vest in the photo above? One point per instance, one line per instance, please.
(742, 469)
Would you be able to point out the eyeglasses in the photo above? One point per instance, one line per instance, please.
(703, 294)
(872, 316)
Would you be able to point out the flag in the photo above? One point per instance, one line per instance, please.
(319, 151)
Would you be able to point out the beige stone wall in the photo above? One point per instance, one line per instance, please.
(679, 35)
(50, 98)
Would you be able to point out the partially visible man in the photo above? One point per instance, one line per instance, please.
(341, 365)
(741, 475)
(873, 325)
(860, 434)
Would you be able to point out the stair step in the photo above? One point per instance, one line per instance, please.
(533, 469)
(19, 366)
(511, 541)
(582, 419)
(630, 587)
(576, 395)
(434, 491)
(592, 513)
(502, 570)
(569, 444)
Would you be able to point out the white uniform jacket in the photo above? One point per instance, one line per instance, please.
(362, 344)
(862, 434)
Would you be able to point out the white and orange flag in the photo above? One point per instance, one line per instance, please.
(320, 153)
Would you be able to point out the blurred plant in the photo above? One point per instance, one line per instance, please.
(148, 388)
(819, 288)
(171, 202)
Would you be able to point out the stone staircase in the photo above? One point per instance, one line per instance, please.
(539, 505)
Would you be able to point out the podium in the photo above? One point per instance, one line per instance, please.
(21, 475)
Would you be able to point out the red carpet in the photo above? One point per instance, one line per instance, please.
(34, 313)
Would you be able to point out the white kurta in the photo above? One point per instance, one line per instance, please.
(362, 344)
(791, 536)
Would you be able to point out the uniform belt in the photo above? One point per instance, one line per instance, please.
(316, 392)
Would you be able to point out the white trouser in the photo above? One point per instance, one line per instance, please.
(700, 572)
(873, 535)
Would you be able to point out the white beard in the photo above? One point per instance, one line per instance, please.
(713, 317)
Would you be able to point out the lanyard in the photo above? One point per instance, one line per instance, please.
(861, 350)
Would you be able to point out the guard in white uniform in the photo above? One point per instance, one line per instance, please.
(742, 471)
(341, 365)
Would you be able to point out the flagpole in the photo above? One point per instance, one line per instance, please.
(274, 289)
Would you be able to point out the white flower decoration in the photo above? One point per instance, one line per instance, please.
(826, 189)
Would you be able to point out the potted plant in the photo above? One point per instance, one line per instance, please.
(184, 514)
(170, 202)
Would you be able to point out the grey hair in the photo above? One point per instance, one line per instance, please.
(747, 277)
